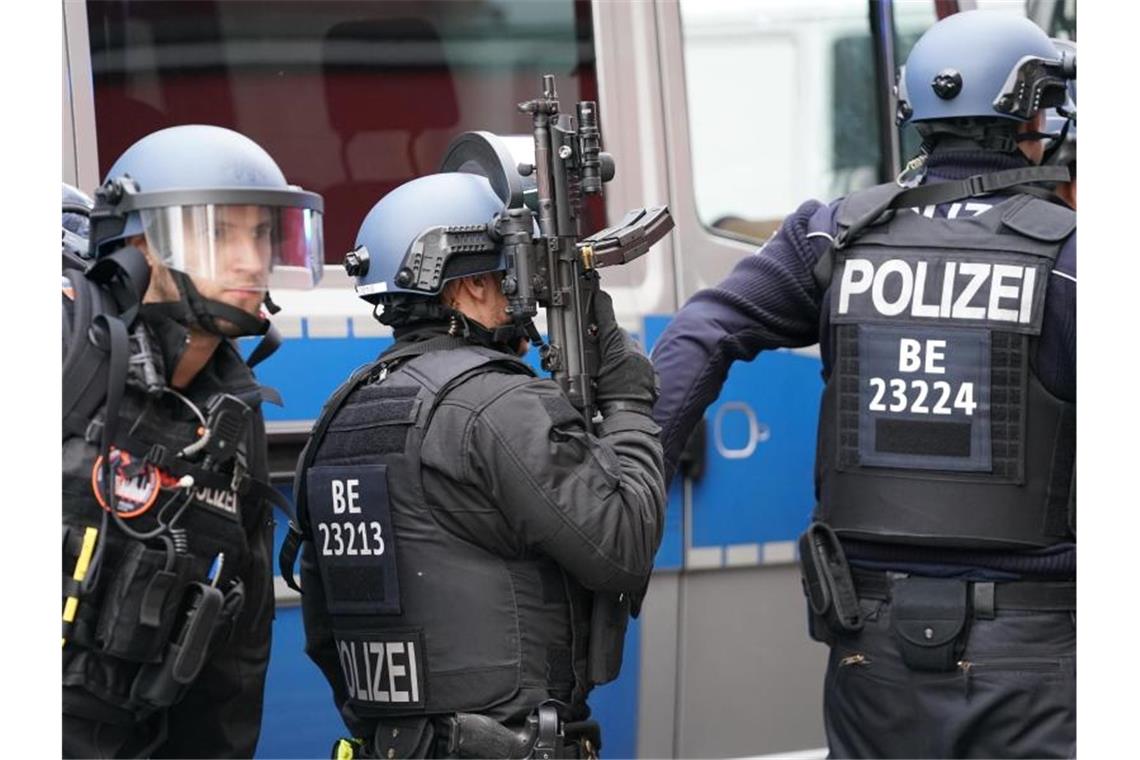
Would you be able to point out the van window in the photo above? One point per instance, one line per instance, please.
(781, 108)
(351, 98)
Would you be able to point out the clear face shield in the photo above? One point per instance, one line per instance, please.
(237, 246)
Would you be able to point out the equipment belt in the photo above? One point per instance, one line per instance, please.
(572, 748)
(1038, 596)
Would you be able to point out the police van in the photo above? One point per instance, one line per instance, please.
(730, 112)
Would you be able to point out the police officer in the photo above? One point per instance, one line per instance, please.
(167, 520)
(458, 515)
(941, 564)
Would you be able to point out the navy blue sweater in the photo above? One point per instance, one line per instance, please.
(770, 300)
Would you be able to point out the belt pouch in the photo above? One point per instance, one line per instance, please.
(410, 737)
(928, 619)
(832, 602)
(141, 604)
(609, 618)
(162, 684)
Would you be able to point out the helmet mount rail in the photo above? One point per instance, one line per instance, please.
(424, 267)
(1036, 83)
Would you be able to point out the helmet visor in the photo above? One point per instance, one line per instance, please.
(237, 246)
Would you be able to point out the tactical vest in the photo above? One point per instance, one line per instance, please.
(424, 621)
(147, 610)
(934, 427)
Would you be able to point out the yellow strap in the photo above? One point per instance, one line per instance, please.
(81, 565)
(85, 553)
(344, 750)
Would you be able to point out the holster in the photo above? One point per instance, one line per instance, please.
(928, 620)
(544, 737)
(833, 605)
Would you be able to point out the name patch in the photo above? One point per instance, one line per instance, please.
(221, 499)
(383, 669)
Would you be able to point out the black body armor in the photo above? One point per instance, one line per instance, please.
(934, 428)
(424, 621)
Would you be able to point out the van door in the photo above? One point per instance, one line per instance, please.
(766, 105)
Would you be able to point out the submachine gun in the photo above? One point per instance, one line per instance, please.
(543, 185)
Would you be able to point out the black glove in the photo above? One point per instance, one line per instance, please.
(626, 379)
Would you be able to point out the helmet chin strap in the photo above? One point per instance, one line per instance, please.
(1056, 140)
(192, 309)
(507, 338)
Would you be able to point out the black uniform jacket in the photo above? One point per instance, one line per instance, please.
(220, 715)
(509, 468)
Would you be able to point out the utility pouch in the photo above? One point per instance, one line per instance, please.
(608, 620)
(404, 738)
(141, 603)
(827, 584)
(162, 684)
(928, 619)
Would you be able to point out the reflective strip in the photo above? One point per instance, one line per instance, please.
(1066, 276)
(368, 327)
(703, 557)
(741, 555)
(283, 595)
(289, 325)
(803, 754)
(326, 327)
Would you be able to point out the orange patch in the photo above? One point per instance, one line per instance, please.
(135, 494)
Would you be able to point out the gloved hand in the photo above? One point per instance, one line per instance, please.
(626, 379)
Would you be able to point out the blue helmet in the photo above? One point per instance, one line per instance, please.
(402, 217)
(181, 187)
(982, 64)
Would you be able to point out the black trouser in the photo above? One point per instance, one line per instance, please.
(1013, 693)
(88, 738)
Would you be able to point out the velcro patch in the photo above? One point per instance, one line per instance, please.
(924, 398)
(353, 539)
